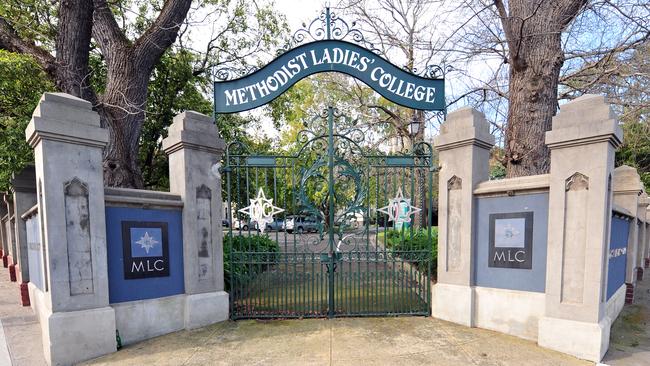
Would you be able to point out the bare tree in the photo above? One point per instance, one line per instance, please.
(533, 55)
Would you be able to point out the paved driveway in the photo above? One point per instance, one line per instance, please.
(345, 341)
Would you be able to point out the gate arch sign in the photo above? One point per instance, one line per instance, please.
(328, 52)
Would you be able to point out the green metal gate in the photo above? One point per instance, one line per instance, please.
(332, 230)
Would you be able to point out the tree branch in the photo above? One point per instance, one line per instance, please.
(11, 41)
(162, 33)
(106, 31)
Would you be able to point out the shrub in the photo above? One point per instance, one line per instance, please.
(410, 244)
(246, 256)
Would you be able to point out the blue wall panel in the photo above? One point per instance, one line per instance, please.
(533, 279)
(617, 254)
(122, 289)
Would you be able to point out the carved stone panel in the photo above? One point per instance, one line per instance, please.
(204, 227)
(77, 228)
(454, 222)
(575, 238)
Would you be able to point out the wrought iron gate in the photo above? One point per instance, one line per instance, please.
(332, 230)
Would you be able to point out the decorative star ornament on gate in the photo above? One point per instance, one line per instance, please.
(261, 210)
(394, 208)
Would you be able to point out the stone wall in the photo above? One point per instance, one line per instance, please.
(531, 256)
(75, 237)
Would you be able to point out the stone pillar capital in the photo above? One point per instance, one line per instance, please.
(62, 117)
(626, 180)
(466, 126)
(193, 130)
(585, 120)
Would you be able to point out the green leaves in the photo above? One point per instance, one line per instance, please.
(22, 82)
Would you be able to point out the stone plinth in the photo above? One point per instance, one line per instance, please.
(194, 147)
(640, 256)
(23, 187)
(580, 205)
(75, 316)
(464, 150)
(627, 187)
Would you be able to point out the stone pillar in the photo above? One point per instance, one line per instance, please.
(76, 320)
(10, 236)
(464, 147)
(583, 141)
(627, 187)
(646, 244)
(639, 257)
(194, 146)
(23, 187)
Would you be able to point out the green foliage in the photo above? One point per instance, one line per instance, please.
(406, 243)
(241, 267)
(173, 88)
(34, 20)
(635, 151)
(21, 85)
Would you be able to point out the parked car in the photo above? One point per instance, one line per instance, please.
(301, 224)
(276, 225)
(244, 225)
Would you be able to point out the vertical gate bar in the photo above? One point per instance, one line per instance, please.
(274, 283)
(247, 194)
(290, 277)
(411, 248)
(375, 284)
(330, 165)
(305, 282)
(430, 253)
(384, 284)
(258, 295)
(229, 249)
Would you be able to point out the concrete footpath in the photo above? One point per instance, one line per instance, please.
(630, 336)
(19, 328)
(345, 341)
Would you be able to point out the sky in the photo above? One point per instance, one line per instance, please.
(304, 11)
(300, 11)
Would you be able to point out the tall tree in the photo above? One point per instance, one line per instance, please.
(518, 60)
(129, 65)
(78, 29)
(533, 30)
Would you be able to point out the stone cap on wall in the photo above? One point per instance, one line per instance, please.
(193, 130)
(626, 179)
(511, 186)
(141, 198)
(63, 117)
(465, 126)
(588, 119)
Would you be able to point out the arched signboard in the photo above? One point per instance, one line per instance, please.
(323, 55)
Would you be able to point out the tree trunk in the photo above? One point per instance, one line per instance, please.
(129, 65)
(533, 32)
(122, 107)
(73, 49)
(533, 103)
